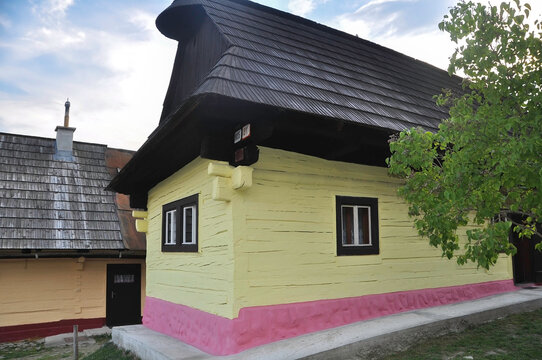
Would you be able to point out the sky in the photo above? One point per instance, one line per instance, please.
(109, 59)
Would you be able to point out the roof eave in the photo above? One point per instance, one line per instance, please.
(124, 182)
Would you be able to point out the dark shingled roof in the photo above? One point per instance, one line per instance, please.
(311, 89)
(49, 204)
(278, 59)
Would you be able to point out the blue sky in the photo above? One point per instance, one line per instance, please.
(114, 65)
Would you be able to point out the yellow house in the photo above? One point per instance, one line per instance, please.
(69, 252)
(263, 192)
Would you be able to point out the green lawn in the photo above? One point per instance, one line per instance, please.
(515, 337)
(110, 352)
(102, 349)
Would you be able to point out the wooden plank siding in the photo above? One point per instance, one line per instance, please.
(288, 251)
(202, 280)
(38, 291)
(275, 242)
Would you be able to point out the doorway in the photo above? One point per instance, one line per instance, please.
(123, 294)
(527, 262)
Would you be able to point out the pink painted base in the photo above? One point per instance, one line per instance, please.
(264, 324)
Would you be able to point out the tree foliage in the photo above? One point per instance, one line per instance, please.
(485, 162)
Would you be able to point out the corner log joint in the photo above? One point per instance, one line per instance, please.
(228, 178)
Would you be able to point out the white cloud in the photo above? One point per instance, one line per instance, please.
(130, 100)
(378, 18)
(5, 22)
(51, 11)
(382, 22)
(366, 28)
(50, 40)
(301, 7)
(116, 83)
(372, 22)
(377, 3)
(428, 45)
(54, 8)
(58, 6)
(51, 33)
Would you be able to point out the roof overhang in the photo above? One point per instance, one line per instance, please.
(69, 253)
(204, 126)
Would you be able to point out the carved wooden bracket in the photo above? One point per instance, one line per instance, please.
(228, 178)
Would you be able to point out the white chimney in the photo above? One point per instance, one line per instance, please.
(64, 138)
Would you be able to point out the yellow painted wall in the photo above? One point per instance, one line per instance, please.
(201, 280)
(275, 241)
(286, 236)
(44, 290)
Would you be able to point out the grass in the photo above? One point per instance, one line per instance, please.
(110, 352)
(515, 337)
(35, 350)
(101, 339)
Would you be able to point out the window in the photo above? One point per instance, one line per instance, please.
(180, 225)
(124, 278)
(357, 225)
(189, 233)
(171, 227)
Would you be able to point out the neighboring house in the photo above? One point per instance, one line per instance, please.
(269, 210)
(69, 251)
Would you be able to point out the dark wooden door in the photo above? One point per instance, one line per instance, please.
(527, 262)
(123, 306)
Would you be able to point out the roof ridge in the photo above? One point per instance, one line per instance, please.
(53, 140)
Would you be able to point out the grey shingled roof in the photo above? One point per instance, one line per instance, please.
(48, 204)
(277, 59)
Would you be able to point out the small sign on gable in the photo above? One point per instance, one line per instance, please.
(245, 151)
(246, 132)
(237, 136)
(241, 134)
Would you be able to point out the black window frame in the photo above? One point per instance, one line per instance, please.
(372, 203)
(179, 206)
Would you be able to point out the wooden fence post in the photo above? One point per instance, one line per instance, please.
(75, 344)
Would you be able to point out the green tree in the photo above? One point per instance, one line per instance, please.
(485, 162)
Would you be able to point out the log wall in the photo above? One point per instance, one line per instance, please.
(202, 280)
(275, 241)
(288, 248)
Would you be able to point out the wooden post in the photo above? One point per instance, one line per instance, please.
(75, 344)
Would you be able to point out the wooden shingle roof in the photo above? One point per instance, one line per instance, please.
(278, 59)
(49, 204)
(303, 87)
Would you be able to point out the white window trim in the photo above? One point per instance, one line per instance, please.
(193, 240)
(357, 239)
